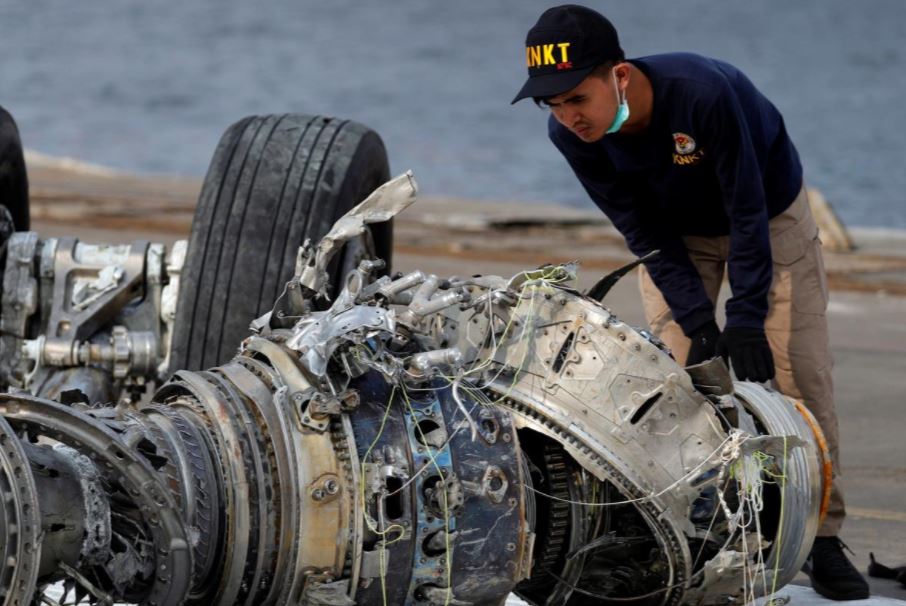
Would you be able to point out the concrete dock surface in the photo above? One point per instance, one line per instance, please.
(867, 312)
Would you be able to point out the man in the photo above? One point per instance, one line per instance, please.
(686, 156)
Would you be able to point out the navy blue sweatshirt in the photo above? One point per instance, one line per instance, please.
(714, 160)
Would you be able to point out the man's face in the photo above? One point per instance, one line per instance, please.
(587, 110)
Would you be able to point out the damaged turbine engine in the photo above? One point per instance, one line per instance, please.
(414, 440)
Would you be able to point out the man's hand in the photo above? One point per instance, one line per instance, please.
(704, 343)
(750, 353)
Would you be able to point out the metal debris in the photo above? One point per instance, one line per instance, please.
(421, 441)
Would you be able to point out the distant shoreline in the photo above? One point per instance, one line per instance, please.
(41, 161)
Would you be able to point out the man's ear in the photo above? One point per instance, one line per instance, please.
(622, 72)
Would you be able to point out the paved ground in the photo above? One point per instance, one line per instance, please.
(797, 596)
(868, 334)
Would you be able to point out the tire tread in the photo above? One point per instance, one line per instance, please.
(273, 181)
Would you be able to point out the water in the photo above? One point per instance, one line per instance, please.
(150, 86)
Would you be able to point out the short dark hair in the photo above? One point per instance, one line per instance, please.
(603, 70)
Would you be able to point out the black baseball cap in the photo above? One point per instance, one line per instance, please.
(566, 44)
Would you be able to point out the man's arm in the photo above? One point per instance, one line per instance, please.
(672, 271)
(749, 265)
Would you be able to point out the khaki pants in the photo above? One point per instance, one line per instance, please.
(796, 325)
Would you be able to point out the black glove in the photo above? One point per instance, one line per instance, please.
(704, 343)
(749, 350)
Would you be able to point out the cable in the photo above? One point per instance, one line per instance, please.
(611, 598)
(371, 523)
(730, 442)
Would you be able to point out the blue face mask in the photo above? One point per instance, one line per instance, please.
(622, 109)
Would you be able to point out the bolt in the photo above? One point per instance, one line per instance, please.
(331, 486)
(317, 494)
(511, 546)
(506, 437)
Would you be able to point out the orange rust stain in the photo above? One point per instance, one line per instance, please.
(828, 465)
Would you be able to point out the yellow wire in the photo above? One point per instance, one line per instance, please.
(551, 275)
(372, 527)
(779, 538)
(529, 319)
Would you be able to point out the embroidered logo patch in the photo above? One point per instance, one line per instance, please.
(685, 144)
(542, 55)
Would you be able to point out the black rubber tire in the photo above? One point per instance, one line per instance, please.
(13, 176)
(273, 182)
